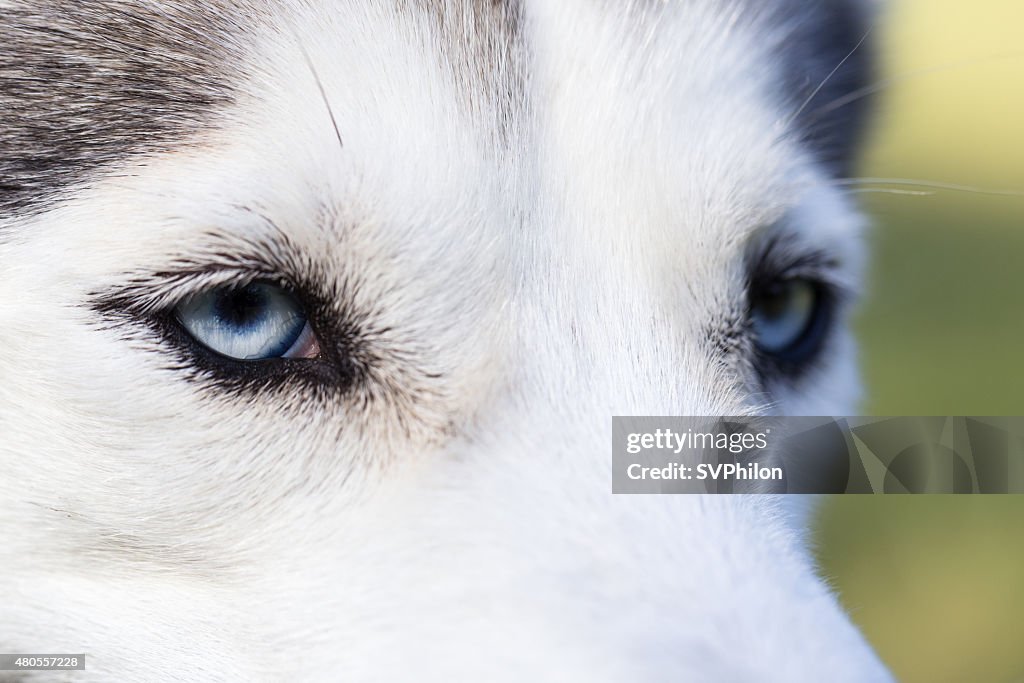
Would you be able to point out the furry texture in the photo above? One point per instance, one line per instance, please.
(509, 222)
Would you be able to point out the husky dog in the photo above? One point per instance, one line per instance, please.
(314, 315)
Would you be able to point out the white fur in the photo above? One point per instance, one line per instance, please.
(539, 283)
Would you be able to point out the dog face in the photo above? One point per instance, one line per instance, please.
(315, 314)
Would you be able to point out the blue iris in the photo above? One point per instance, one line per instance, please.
(789, 319)
(254, 322)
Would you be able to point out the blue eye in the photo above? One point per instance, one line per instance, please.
(254, 322)
(789, 319)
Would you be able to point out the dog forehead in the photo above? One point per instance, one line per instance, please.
(87, 84)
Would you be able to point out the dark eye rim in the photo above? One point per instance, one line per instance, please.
(235, 371)
(336, 370)
(772, 261)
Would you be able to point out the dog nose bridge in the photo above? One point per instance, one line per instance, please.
(611, 324)
(622, 365)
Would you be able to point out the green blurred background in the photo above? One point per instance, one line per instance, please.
(937, 582)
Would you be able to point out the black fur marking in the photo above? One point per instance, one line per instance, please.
(85, 83)
(826, 34)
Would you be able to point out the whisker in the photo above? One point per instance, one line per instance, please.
(892, 190)
(929, 184)
(323, 93)
(827, 78)
(884, 83)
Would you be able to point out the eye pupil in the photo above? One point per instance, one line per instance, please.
(240, 307)
(773, 302)
(789, 319)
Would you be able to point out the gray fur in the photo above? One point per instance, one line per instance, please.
(484, 42)
(86, 83)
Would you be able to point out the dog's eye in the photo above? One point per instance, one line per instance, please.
(255, 322)
(789, 318)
